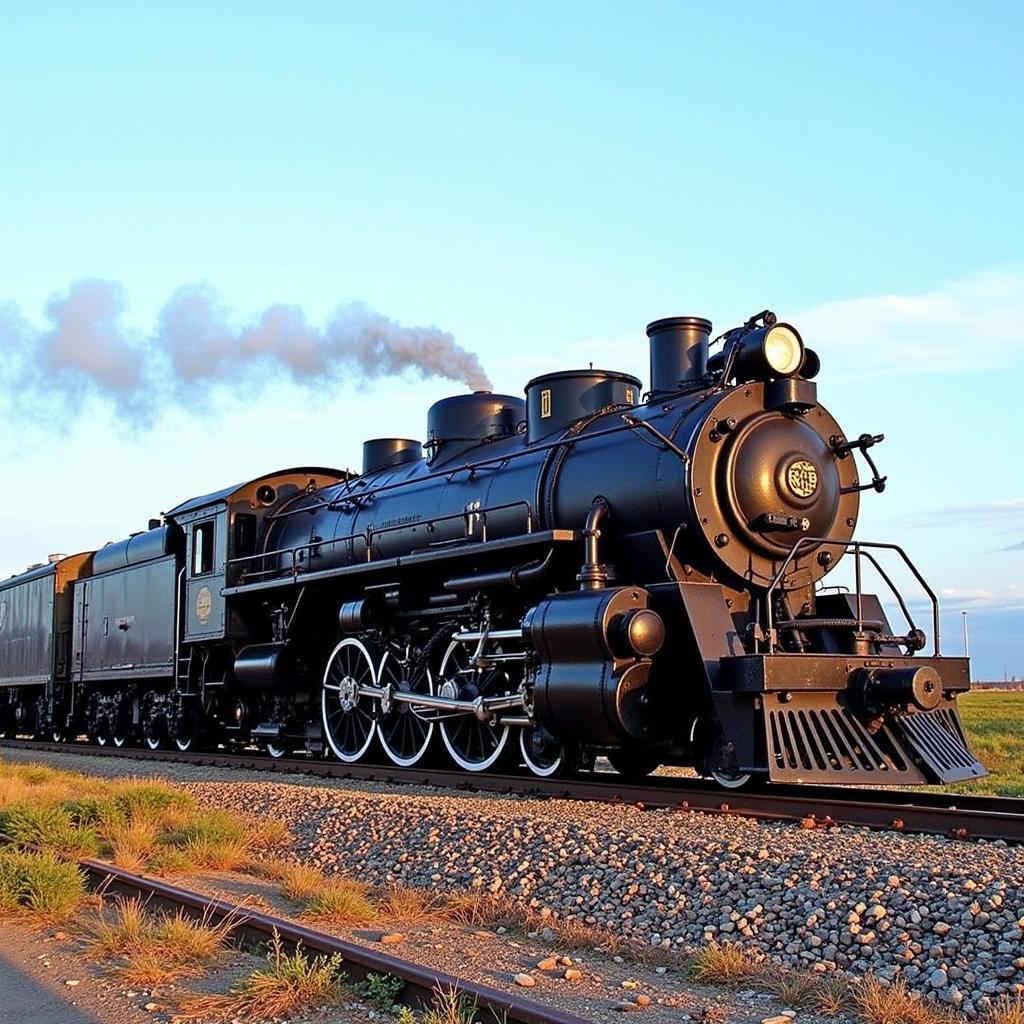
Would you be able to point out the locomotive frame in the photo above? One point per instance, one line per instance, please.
(587, 572)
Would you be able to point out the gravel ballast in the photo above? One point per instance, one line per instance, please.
(947, 917)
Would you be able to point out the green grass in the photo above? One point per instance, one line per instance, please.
(140, 824)
(39, 882)
(994, 720)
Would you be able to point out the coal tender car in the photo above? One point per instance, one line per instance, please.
(594, 571)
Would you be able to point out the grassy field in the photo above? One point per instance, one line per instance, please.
(994, 720)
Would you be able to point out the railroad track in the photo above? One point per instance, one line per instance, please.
(255, 929)
(955, 815)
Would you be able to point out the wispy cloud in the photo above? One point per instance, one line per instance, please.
(1008, 597)
(1003, 511)
(1014, 547)
(972, 322)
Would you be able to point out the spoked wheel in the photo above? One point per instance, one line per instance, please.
(349, 718)
(472, 744)
(632, 764)
(404, 735)
(542, 753)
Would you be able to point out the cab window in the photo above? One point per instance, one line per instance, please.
(202, 548)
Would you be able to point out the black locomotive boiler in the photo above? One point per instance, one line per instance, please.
(591, 571)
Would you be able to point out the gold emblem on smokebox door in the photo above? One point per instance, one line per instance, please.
(802, 477)
(204, 604)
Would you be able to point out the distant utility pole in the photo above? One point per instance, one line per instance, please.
(967, 646)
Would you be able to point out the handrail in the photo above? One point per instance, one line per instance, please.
(368, 535)
(857, 546)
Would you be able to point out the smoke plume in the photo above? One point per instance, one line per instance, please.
(195, 344)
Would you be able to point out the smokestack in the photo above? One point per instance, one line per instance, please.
(679, 351)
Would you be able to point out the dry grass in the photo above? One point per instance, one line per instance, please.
(727, 963)
(156, 949)
(287, 986)
(405, 903)
(1005, 1010)
(878, 1003)
(299, 882)
(449, 1007)
(333, 899)
(832, 995)
(479, 910)
(339, 904)
(132, 843)
(268, 834)
(795, 988)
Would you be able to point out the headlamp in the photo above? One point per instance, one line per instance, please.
(765, 353)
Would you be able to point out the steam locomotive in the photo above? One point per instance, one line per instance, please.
(590, 572)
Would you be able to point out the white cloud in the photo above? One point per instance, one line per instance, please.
(1008, 597)
(970, 323)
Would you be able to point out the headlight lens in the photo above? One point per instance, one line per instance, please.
(783, 350)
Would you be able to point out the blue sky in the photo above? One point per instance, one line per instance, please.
(540, 180)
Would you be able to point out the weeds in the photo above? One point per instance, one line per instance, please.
(832, 996)
(153, 950)
(880, 1003)
(49, 827)
(138, 824)
(1005, 1010)
(334, 899)
(288, 985)
(39, 882)
(341, 905)
(795, 988)
(726, 963)
(404, 903)
(450, 1007)
(382, 990)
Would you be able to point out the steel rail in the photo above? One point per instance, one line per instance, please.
(254, 928)
(955, 815)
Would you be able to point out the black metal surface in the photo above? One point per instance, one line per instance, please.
(384, 452)
(461, 422)
(124, 621)
(138, 548)
(679, 351)
(555, 401)
(960, 815)
(27, 627)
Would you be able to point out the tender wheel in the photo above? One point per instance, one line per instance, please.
(632, 764)
(404, 735)
(57, 736)
(349, 718)
(183, 743)
(101, 739)
(120, 739)
(154, 742)
(472, 744)
(276, 750)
